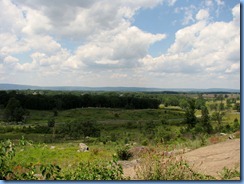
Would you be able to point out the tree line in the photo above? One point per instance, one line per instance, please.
(70, 101)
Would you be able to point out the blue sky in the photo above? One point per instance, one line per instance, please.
(156, 43)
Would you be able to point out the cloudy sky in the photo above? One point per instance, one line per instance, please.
(142, 43)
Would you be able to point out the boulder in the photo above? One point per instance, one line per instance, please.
(83, 147)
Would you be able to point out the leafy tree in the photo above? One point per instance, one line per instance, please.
(200, 101)
(218, 117)
(165, 133)
(76, 130)
(237, 107)
(14, 111)
(90, 129)
(228, 103)
(51, 123)
(55, 112)
(149, 129)
(221, 106)
(213, 106)
(205, 120)
(183, 104)
(190, 118)
(236, 125)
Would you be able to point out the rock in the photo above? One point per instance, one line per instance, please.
(222, 134)
(52, 147)
(83, 147)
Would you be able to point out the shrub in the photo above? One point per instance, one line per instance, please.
(99, 170)
(161, 167)
(96, 171)
(226, 173)
(144, 142)
(124, 153)
(236, 125)
(7, 152)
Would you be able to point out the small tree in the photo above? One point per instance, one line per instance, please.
(218, 117)
(183, 104)
(190, 118)
(237, 107)
(221, 106)
(14, 111)
(205, 120)
(236, 125)
(51, 124)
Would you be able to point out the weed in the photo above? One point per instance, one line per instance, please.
(156, 166)
(227, 174)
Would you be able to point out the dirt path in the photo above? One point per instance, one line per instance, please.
(206, 160)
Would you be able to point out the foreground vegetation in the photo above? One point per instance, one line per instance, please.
(153, 120)
(155, 166)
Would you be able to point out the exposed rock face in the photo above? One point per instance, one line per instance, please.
(83, 147)
(212, 159)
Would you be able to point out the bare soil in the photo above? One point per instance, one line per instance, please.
(209, 160)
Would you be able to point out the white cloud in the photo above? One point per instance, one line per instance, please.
(171, 2)
(202, 14)
(108, 38)
(10, 59)
(188, 14)
(108, 46)
(36, 22)
(11, 17)
(205, 48)
(234, 68)
(236, 14)
(121, 47)
(209, 3)
(118, 75)
(79, 18)
(220, 2)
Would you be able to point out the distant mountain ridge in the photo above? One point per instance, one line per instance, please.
(128, 89)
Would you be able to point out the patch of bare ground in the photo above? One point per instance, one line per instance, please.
(211, 160)
(208, 160)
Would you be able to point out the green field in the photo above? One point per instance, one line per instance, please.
(107, 130)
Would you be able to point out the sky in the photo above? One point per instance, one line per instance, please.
(101, 43)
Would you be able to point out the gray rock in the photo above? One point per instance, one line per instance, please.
(83, 147)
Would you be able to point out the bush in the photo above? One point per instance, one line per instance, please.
(124, 153)
(144, 142)
(99, 170)
(7, 152)
(96, 171)
(157, 166)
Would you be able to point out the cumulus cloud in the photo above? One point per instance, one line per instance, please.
(206, 48)
(118, 48)
(202, 14)
(10, 59)
(108, 44)
(78, 19)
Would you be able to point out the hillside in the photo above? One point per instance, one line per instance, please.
(208, 160)
(128, 89)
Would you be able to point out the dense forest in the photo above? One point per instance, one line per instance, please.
(70, 101)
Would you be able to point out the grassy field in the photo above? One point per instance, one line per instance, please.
(161, 128)
(105, 114)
